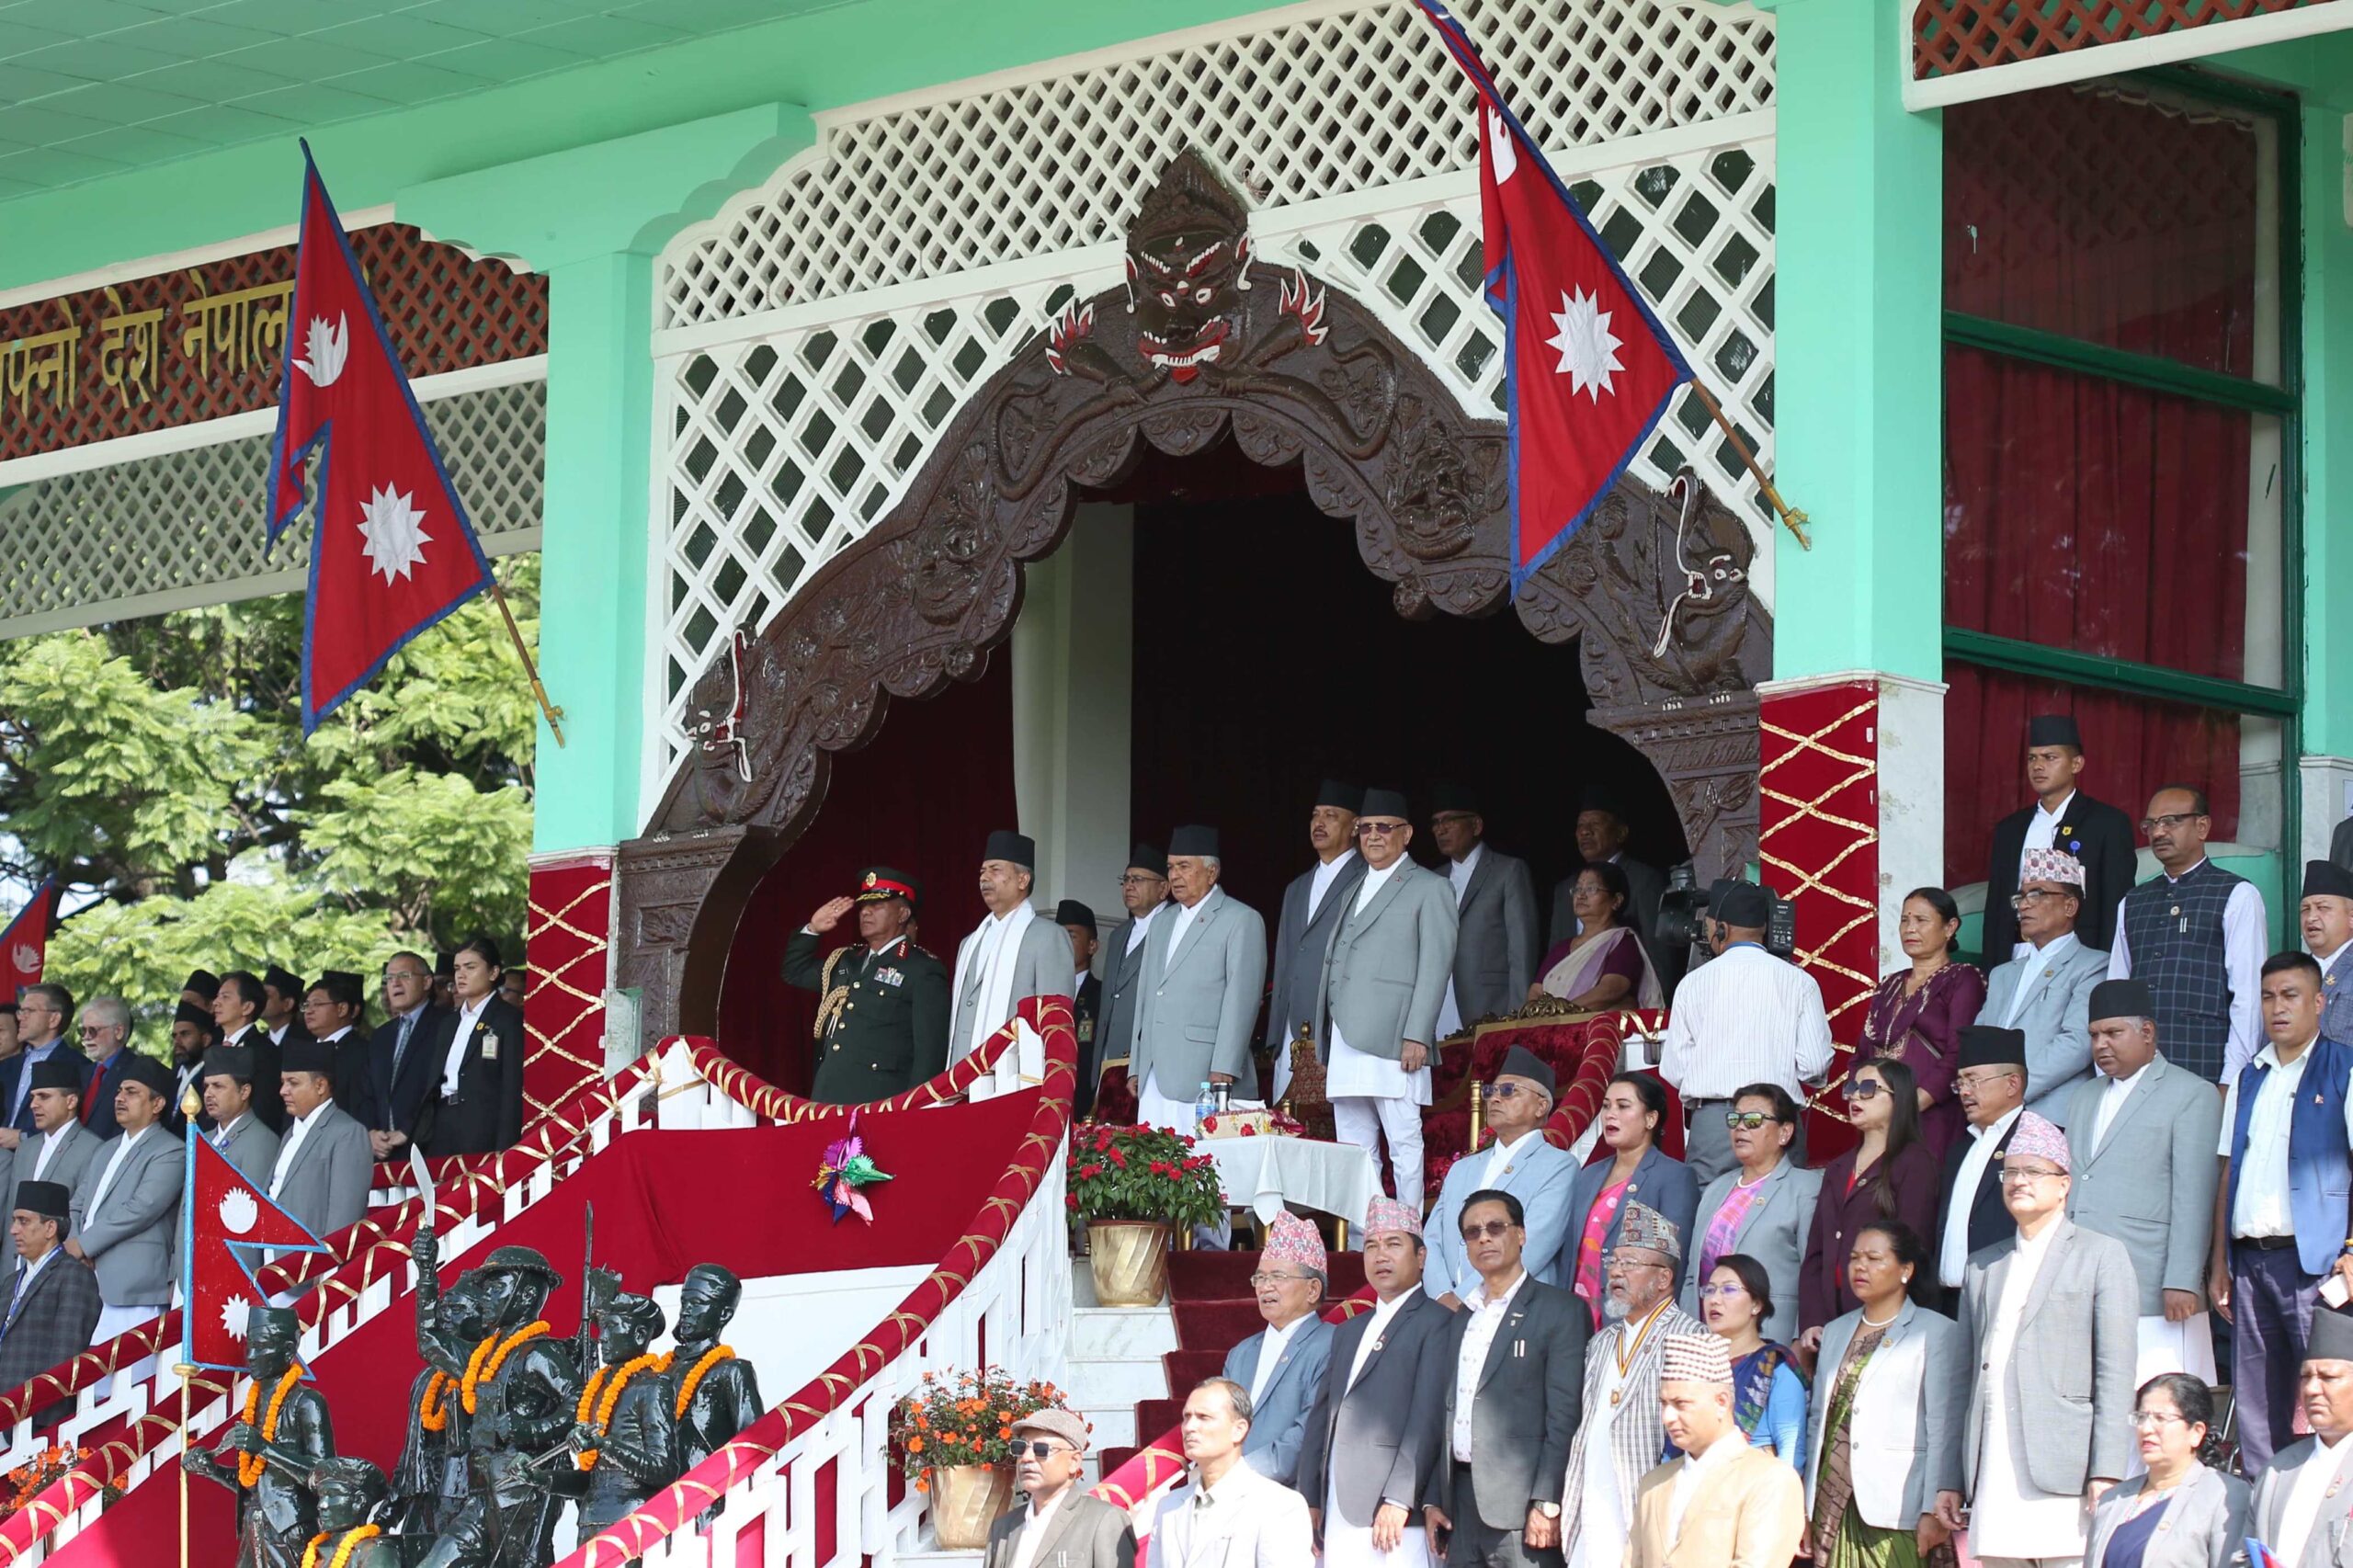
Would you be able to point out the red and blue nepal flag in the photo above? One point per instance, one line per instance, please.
(392, 549)
(1588, 367)
(227, 1225)
(23, 946)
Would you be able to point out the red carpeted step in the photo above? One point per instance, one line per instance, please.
(1155, 1417)
(1186, 1368)
(1216, 1325)
(1114, 1458)
(1202, 1274)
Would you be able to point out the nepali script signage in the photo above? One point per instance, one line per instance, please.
(202, 343)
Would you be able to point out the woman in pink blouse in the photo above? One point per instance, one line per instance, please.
(1917, 1014)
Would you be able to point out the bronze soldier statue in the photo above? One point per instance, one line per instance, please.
(716, 1395)
(349, 1491)
(628, 1446)
(429, 1485)
(272, 1450)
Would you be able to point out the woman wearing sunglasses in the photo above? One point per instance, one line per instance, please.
(1762, 1208)
(1633, 1106)
(1767, 1394)
(1887, 1176)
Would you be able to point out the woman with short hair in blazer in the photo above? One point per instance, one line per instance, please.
(2180, 1514)
(1762, 1208)
(1887, 1176)
(1633, 1107)
(1888, 1408)
(475, 1105)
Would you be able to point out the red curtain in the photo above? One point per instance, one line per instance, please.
(923, 797)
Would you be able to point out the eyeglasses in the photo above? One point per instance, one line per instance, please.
(1748, 1120)
(1864, 1089)
(2170, 820)
(1039, 1447)
(1724, 1293)
(2036, 896)
(2157, 1417)
(2011, 1173)
(1505, 1091)
(1445, 819)
(1493, 1230)
(404, 974)
(1972, 1078)
(1381, 829)
(1260, 1281)
(1140, 879)
(1624, 1260)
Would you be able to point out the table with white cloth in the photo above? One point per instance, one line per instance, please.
(1265, 1172)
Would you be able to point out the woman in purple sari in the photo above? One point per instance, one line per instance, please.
(1917, 1012)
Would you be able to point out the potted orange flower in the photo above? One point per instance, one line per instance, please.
(1133, 1184)
(954, 1438)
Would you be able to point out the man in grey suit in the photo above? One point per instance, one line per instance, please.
(1602, 835)
(2048, 1318)
(1013, 955)
(1520, 1162)
(1203, 966)
(2298, 1500)
(1383, 981)
(1311, 906)
(1061, 1526)
(53, 1303)
(61, 1146)
(1143, 891)
(237, 1133)
(1282, 1366)
(2046, 995)
(128, 1200)
(2325, 917)
(321, 1174)
(1370, 1444)
(1496, 943)
(2141, 1137)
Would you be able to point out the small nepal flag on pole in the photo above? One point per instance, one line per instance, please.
(392, 549)
(1588, 367)
(226, 1223)
(23, 946)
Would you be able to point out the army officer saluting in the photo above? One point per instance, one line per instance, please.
(882, 1021)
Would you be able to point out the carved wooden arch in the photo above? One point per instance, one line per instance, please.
(1200, 343)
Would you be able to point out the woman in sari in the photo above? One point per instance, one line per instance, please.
(1603, 965)
(1918, 1012)
(1768, 1395)
(1887, 1407)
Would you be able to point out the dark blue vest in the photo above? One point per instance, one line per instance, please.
(2320, 1181)
(2175, 933)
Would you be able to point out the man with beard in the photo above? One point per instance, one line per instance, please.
(1311, 906)
(1623, 1434)
(882, 1026)
(193, 1034)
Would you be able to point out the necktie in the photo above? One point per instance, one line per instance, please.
(400, 1043)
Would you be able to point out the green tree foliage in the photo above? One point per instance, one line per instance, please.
(160, 766)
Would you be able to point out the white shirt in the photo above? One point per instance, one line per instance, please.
(1141, 923)
(1185, 914)
(1373, 881)
(1687, 1479)
(1953, 1261)
(2032, 962)
(467, 1019)
(1272, 1343)
(296, 1131)
(2042, 830)
(1383, 1311)
(1458, 873)
(1033, 1528)
(1744, 1017)
(2262, 1206)
(1504, 1156)
(2301, 1510)
(277, 1035)
(228, 1129)
(2111, 1101)
(2245, 945)
(1478, 1337)
(122, 1147)
(1327, 872)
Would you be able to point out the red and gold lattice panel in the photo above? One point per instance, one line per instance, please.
(1949, 36)
(204, 342)
(1818, 837)
(567, 934)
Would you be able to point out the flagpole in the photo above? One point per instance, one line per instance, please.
(187, 1394)
(533, 670)
(1790, 515)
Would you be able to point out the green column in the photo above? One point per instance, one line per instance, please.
(1858, 433)
(2328, 436)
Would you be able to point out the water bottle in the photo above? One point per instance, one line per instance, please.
(1204, 1106)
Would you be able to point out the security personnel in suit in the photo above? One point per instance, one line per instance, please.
(883, 1023)
(2063, 817)
(1086, 989)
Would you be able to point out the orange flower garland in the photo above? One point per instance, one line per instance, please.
(252, 1466)
(711, 1357)
(479, 1371)
(603, 1408)
(433, 1405)
(350, 1544)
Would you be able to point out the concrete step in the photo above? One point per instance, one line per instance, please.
(1116, 1380)
(1114, 1333)
(931, 1556)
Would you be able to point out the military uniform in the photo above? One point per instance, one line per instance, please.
(882, 1021)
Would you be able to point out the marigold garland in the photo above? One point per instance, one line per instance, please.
(711, 1357)
(252, 1466)
(350, 1544)
(433, 1404)
(603, 1408)
(478, 1371)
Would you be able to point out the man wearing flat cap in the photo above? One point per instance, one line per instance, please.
(1012, 956)
(1311, 906)
(1058, 1525)
(2045, 992)
(1744, 1017)
(1144, 894)
(2063, 817)
(227, 1081)
(323, 1163)
(1519, 1161)
(2140, 1141)
(53, 1304)
(883, 1024)
(2325, 917)
(1384, 980)
(1721, 1500)
(1204, 969)
(1077, 922)
(1496, 938)
(127, 1201)
(2298, 1509)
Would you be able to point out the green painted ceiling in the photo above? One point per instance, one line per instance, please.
(90, 88)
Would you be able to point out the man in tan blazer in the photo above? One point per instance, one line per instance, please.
(1059, 1525)
(1726, 1503)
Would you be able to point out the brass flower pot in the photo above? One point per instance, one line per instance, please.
(965, 1500)
(1131, 1261)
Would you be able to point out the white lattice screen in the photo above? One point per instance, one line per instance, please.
(784, 439)
(185, 529)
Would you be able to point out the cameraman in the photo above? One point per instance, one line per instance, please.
(1745, 1017)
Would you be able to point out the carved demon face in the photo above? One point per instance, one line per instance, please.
(1189, 260)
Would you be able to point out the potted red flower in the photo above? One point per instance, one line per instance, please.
(1132, 1186)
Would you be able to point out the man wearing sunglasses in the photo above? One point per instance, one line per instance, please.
(1520, 1162)
(1062, 1527)
(2196, 933)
